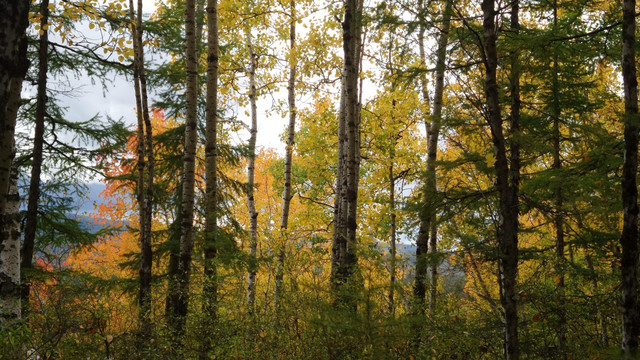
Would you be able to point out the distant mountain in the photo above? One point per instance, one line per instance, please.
(83, 203)
(86, 202)
(452, 276)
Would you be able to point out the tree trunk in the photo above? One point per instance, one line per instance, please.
(181, 300)
(253, 214)
(427, 236)
(422, 242)
(288, 158)
(31, 223)
(506, 178)
(558, 217)
(10, 309)
(174, 249)
(146, 252)
(629, 239)
(392, 248)
(344, 260)
(432, 149)
(145, 178)
(433, 266)
(210, 288)
(174, 260)
(13, 57)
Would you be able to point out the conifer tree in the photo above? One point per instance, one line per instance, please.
(427, 235)
(145, 173)
(31, 218)
(558, 218)
(507, 176)
(629, 239)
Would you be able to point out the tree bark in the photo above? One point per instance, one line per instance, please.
(253, 214)
(344, 259)
(392, 248)
(210, 289)
(506, 179)
(145, 249)
(145, 178)
(174, 250)
(432, 149)
(427, 235)
(288, 158)
(558, 216)
(10, 304)
(510, 241)
(422, 242)
(13, 67)
(629, 238)
(181, 300)
(174, 260)
(31, 223)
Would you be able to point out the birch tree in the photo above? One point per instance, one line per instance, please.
(181, 300)
(13, 57)
(253, 214)
(210, 288)
(10, 304)
(288, 157)
(344, 257)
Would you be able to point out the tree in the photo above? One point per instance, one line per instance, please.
(145, 174)
(181, 301)
(427, 235)
(288, 158)
(62, 150)
(558, 217)
(507, 176)
(253, 214)
(10, 304)
(210, 290)
(13, 49)
(31, 218)
(344, 257)
(13, 57)
(629, 238)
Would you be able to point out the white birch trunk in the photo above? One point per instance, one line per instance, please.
(10, 307)
(253, 214)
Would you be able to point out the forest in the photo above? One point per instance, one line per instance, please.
(319, 179)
